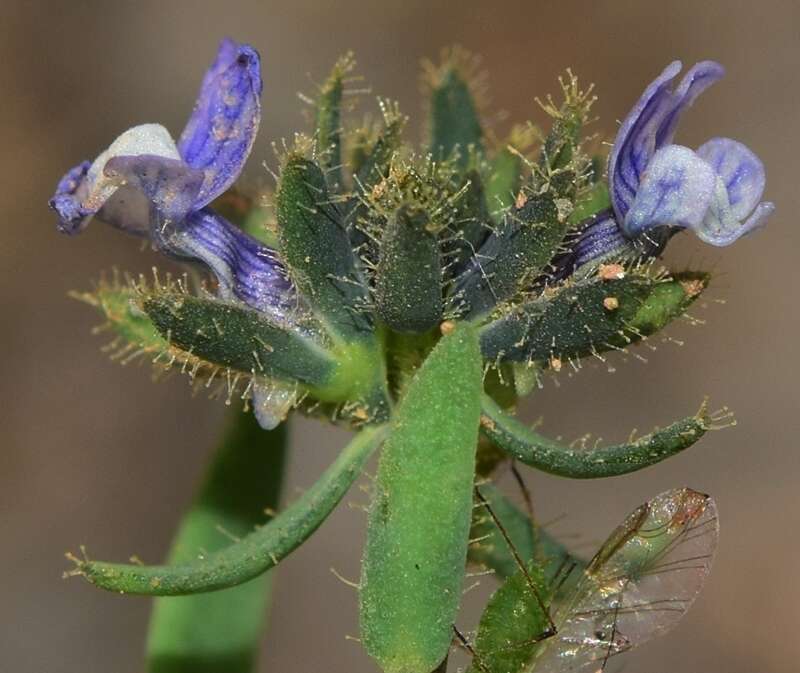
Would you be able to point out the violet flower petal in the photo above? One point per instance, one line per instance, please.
(600, 237)
(650, 125)
(221, 131)
(677, 188)
(696, 80)
(246, 269)
(68, 199)
(741, 171)
(154, 197)
(86, 190)
(721, 226)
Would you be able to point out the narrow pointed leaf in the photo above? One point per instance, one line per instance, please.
(255, 553)
(329, 120)
(504, 180)
(237, 337)
(592, 316)
(454, 121)
(547, 455)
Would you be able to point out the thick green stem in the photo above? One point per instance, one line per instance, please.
(219, 632)
(252, 555)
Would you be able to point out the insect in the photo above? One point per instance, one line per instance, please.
(638, 585)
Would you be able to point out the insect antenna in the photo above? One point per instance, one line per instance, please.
(551, 630)
(526, 493)
(464, 642)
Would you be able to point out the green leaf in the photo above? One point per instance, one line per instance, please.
(455, 124)
(237, 337)
(255, 553)
(418, 524)
(219, 632)
(329, 120)
(547, 455)
(408, 282)
(315, 245)
(591, 316)
(517, 253)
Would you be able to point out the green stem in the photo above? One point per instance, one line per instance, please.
(544, 454)
(252, 555)
(219, 632)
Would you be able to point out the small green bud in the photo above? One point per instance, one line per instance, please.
(408, 294)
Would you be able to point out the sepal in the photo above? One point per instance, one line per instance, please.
(454, 90)
(408, 277)
(315, 246)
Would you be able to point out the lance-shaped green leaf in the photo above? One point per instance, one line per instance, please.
(454, 121)
(329, 120)
(220, 632)
(531, 542)
(239, 338)
(511, 624)
(408, 278)
(533, 449)
(418, 524)
(255, 553)
(608, 311)
(514, 254)
(316, 248)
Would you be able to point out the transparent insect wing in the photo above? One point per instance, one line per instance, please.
(639, 584)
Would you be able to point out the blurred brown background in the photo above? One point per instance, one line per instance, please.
(94, 453)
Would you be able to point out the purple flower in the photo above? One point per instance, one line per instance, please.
(714, 190)
(147, 184)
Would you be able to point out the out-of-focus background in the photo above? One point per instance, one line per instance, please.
(94, 453)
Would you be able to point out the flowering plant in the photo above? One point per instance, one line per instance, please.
(415, 296)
